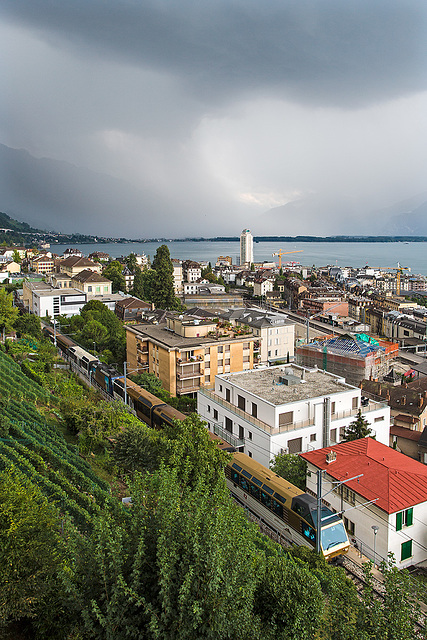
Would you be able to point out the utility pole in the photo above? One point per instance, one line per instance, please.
(319, 509)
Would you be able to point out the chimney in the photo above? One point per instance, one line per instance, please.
(420, 399)
(387, 395)
(331, 457)
(403, 400)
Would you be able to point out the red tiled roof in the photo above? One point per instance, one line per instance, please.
(403, 432)
(399, 482)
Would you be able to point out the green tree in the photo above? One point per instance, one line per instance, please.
(8, 313)
(163, 295)
(288, 600)
(359, 428)
(131, 262)
(183, 566)
(137, 448)
(31, 548)
(138, 284)
(16, 256)
(291, 467)
(113, 271)
(28, 324)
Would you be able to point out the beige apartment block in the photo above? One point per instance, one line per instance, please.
(186, 354)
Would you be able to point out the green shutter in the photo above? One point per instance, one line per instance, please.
(409, 516)
(406, 550)
(399, 521)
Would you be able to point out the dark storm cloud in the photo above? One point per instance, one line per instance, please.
(345, 53)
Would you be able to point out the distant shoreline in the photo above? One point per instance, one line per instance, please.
(276, 239)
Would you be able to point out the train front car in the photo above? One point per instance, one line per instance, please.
(283, 507)
(333, 539)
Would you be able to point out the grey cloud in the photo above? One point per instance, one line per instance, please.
(326, 52)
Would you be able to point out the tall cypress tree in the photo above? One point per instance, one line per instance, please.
(164, 294)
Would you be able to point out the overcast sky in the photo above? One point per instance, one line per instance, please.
(206, 114)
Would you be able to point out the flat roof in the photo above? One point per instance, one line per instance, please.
(268, 383)
(171, 340)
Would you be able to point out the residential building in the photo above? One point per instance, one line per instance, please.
(11, 266)
(275, 332)
(129, 278)
(98, 256)
(191, 271)
(74, 265)
(262, 286)
(211, 297)
(246, 248)
(185, 352)
(384, 500)
(42, 299)
(224, 260)
(91, 283)
(72, 252)
(42, 264)
(177, 276)
(130, 309)
(60, 280)
(285, 408)
(354, 358)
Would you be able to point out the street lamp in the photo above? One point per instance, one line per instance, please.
(94, 347)
(375, 530)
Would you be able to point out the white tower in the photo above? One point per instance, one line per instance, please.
(246, 247)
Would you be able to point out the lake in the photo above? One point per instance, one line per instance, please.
(343, 254)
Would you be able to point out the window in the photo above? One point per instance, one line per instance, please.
(312, 437)
(404, 518)
(406, 550)
(207, 378)
(379, 419)
(333, 435)
(254, 410)
(208, 409)
(228, 425)
(295, 445)
(89, 289)
(286, 418)
(215, 414)
(250, 454)
(241, 433)
(332, 407)
(105, 289)
(349, 525)
(227, 395)
(98, 289)
(220, 350)
(250, 435)
(220, 387)
(241, 403)
(342, 432)
(354, 403)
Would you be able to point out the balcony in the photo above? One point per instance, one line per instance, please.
(234, 441)
(187, 386)
(194, 371)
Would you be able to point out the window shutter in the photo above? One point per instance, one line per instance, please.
(409, 517)
(399, 521)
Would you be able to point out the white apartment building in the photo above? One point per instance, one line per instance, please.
(246, 247)
(262, 286)
(285, 408)
(177, 275)
(394, 485)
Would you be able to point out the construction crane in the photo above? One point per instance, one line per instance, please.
(281, 253)
(399, 270)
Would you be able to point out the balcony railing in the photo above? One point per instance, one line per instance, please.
(234, 441)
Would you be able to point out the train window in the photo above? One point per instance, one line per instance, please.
(280, 498)
(266, 500)
(256, 481)
(254, 491)
(244, 484)
(247, 474)
(236, 466)
(277, 508)
(235, 476)
(268, 489)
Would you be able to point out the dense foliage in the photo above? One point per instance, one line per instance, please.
(359, 428)
(291, 467)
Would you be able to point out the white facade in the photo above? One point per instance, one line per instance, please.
(400, 528)
(261, 287)
(246, 247)
(285, 409)
(57, 302)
